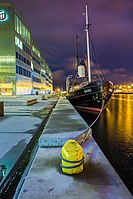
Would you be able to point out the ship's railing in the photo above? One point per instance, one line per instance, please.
(81, 85)
(78, 86)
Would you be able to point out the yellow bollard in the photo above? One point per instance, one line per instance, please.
(72, 157)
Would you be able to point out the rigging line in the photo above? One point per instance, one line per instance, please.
(94, 67)
(97, 73)
(73, 81)
(83, 45)
(102, 74)
(82, 42)
(83, 55)
(94, 49)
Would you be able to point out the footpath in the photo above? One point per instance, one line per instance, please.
(20, 128)
(45, 179)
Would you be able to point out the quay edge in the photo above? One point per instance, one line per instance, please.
(20, 128)
(45, 178)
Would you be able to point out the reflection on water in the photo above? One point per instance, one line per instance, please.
(114, 134)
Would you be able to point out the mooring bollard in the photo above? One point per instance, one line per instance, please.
(72, 158)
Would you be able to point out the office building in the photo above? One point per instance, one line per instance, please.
(23, 70)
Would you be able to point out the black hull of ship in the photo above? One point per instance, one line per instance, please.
(93, 97)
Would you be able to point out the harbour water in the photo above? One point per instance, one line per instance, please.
(114, 134)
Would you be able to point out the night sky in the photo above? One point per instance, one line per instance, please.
(54, 24)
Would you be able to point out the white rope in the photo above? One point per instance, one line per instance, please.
(83, 140)
(97, 116)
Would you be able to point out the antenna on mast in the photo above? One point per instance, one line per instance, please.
(77, 48)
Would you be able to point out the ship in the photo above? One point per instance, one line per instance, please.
(87, 92)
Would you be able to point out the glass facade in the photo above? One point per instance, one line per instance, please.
(7, 52)
(22, 30)
(36, 51)
(22, 68)
(18, 42)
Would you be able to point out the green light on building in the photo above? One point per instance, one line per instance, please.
(36, 51)
(22, 30)
(18, 42)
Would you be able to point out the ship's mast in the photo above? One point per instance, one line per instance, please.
(88, 47)
(77, 48)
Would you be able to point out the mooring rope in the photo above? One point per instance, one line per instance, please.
(100, 112)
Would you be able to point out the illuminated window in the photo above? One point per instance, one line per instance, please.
(36, 60)
(36, 70)
(26, 49)
(43, 75)
(22, 30)
(23, 71)
(18, 42)
(23, 59)
(35, 79)
(36, 51)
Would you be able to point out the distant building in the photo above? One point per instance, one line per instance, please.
(23, 70)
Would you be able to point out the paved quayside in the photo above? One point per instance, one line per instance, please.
(19, 129)
(45, 179)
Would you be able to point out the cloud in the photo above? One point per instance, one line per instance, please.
(106, 71)
(120, 75)
(71, 64)
(54, 25)
(119, 70)
(122, 78)
(60, 79)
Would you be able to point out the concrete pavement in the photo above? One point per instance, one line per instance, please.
(18, 126)
(45, 178)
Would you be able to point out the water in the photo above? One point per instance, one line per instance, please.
(114, 134)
